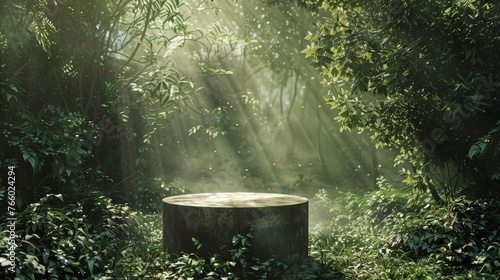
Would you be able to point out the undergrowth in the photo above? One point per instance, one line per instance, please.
(386, 234)
(383, 234)
(150, 262)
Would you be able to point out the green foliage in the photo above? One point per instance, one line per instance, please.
(422, 76)
(101, 67)
(467, 236)
(68, 241)
(53, 151)
(237, 263)
(54, 138)
(374, 208)
(164, 86)
(144, 258)
(385, 235)
(487, 146)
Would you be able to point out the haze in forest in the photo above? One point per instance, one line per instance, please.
(259, 121)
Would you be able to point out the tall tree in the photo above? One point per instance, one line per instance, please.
(86, 79)
(424, 78)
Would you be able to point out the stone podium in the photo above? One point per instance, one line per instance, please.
(279, 223)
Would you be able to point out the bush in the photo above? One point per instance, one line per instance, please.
(387, 234)
(466, 237)
(57, 147)
(68, 241)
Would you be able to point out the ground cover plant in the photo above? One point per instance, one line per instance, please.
(58, 239)
(377, 235)
(144, 258)
(385, 235)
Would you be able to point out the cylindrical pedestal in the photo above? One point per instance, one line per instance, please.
(279, 222)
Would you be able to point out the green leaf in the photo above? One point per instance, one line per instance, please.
(239, 253)
(477, 149)
(196, 243)
(410, 181)
(13, 88)
(91, 265)
(32, 160)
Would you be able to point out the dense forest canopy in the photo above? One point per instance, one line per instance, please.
(109, 106)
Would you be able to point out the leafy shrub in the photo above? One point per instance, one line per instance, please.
(467, 236)
(66, 137)
(373, 207)
(57, 147)
(389, 234)
(142, 257)
(68, 241)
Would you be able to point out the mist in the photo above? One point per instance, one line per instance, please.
(259, 121)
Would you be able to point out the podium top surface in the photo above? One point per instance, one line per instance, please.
(235, 200)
